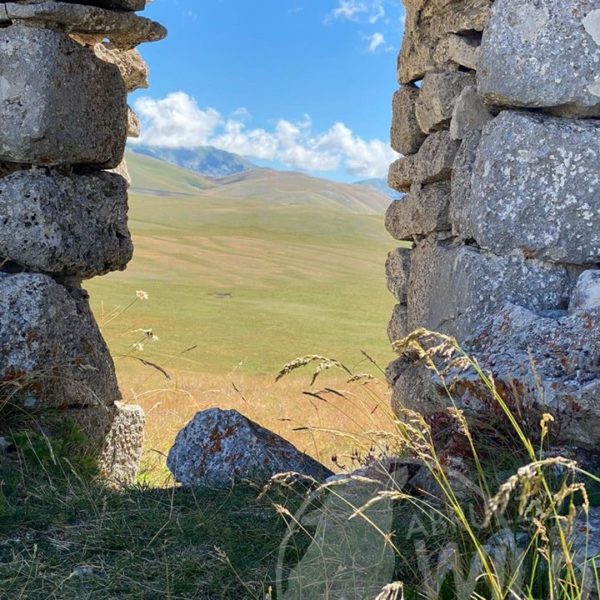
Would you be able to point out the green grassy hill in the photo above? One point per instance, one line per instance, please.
(254, 269)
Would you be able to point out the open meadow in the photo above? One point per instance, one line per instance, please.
(242, 277)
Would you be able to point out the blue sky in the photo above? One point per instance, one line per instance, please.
(298, 84)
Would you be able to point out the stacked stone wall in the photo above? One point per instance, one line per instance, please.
(65, 71)
(498, 121)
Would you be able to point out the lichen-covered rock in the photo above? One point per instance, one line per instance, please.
(586, 295)
(536, 187)
(406, 135)
(437, 98)
(59, 104)
(52, 355)
(451, 288)
(220, 447)
(65, 225)
(433, 162)
(397, 271)
(123, 29)
(429, 22)
(542, 54)
(469, 114)
(122, 452)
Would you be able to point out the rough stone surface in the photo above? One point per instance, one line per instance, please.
(427, 23)
(406, 135)
(122, 453)
(398, 326)
(422, 211)
(123, 29)
(437, 98)
(59, 104)
(432, 163)
(220, 447)
(65, 225)
(586, 295)
(52, 355)
(542, 54)
(462, 177)
(452, 288)
(134, 127)
(457, 50)
(536, 187)
(469, 114)
(397, 270)
(132, 67)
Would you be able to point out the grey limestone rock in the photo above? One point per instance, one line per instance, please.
(452, 288)
(586, 295)
(218, 448)
(469, 114)
(543, 54)
(437, 99)
(422, 211)
(65, 225)
(59, 104)
(406, 135)
(457, 50)
(433, 162)
(397, 271)
(398, 325)
(536, 187)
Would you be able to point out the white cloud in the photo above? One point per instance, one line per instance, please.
(177, 121)
(359, 10)
(376, 40)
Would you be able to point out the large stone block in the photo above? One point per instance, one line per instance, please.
(406, 135)
(422, 211)
(462, 176)
(543, 54)
(469, 114)
(457, 50)
(437, 99)
(59, 104)
(397, 272)
(432, 163)
(427, 23)
(452, 288)
(536, 187)
(52, 356)
(65, 225)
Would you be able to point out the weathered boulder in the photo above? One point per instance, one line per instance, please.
(52, 355)
(218, 448)
(469, 114)
(433, 162)
(452, 288)
(437, 99)
(123, 29)
(122, 452)
(523, 63)
(406, 135)
(429, 22)
(397, 270)
(453, 50)
(59, 104)
(422, 211)
(536, 187)
(132, 67)
(65, 225)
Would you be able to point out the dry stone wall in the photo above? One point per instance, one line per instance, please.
(65, 71)
(498, 121)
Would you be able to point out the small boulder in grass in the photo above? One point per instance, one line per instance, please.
(218, 448)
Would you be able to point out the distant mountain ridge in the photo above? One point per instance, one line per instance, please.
(206, 160)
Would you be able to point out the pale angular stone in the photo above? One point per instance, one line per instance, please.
(122, 452)
(398, 326)
(65, 225)
(59, 104)
(131, 65)
(586, 295)
(457, 51)
(432, 163)
(422, 211)
(524, 63)
(469, 114)
(123, 29)
(437, 98)
(123, 171)
(220, 447)
(397, 271)
(536, 187)
(52, 355)
(427, 23)
(462, 176)
(451, 289)
(406, 134)
(134, 127)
